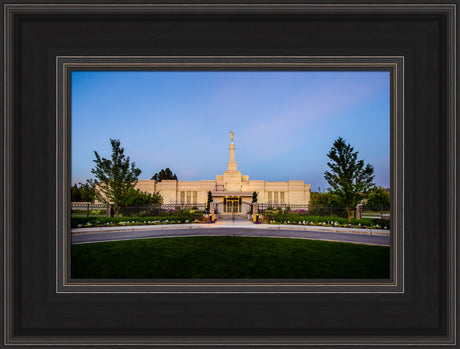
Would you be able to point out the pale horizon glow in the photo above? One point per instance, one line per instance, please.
(284, 122)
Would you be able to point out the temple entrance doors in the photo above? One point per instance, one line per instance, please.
(232, 205)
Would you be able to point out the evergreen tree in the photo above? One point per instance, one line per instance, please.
(208, 205)
(164, 174)
(115, 178)
(349, 179)
(75, 194)
(84, 192)
(88, 191)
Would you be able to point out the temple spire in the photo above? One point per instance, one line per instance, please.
(232, 164)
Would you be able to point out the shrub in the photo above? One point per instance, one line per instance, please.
(122, 220)
(296, 218)
(149, 212)
(328, 211)
(98, 212)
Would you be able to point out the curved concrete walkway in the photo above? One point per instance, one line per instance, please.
(237, 228)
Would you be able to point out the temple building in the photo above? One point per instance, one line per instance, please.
(231, 191)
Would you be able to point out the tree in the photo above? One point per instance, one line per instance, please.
(349, 179)
(88, 191)
(378, 198)
(75, 193)
(115, 178)
(164, 174)
(84, 192)
(143, 198)
(323, 199)
(208, 204)
(324, 204)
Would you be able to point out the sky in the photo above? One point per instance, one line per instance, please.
(284, 123)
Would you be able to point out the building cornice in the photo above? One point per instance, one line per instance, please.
(231, 193)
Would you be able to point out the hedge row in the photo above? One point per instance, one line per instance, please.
(78, 222)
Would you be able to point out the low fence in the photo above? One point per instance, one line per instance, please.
(153, 210)
(331, 211)
(181, 206)
(135, 210)
(83, 206)
(262, 207)
(308, 209)
(375, 212)
(156, 210)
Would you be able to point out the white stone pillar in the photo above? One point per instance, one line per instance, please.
(359, 211)
(255, 207)
(211, 208)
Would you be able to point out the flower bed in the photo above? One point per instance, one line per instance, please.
(178, 218)
(303, 219)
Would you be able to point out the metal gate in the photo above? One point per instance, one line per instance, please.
(232, 206)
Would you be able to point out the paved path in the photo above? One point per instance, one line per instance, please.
(371, 237)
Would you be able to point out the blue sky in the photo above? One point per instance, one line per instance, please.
(284, 122)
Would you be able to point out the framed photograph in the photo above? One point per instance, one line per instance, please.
(62, 62)
(183, 212)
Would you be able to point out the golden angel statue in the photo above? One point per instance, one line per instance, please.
(231, 133)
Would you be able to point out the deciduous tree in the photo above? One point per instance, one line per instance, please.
(378, 198)
(143, 198)
(323, 199)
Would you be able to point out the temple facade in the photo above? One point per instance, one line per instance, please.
(231, 192)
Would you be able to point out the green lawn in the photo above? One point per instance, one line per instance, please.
(229, 257)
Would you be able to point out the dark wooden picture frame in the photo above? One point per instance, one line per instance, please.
(43, 307)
